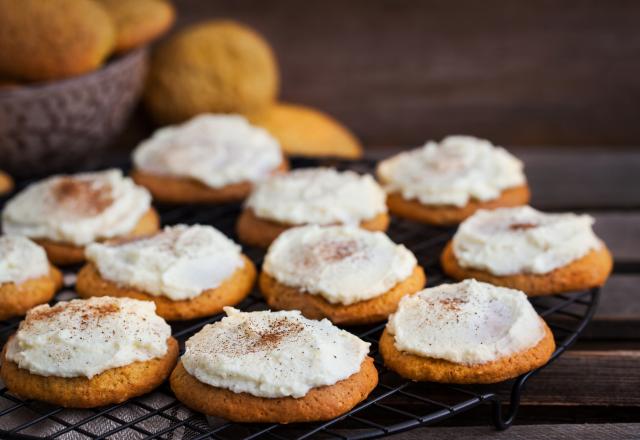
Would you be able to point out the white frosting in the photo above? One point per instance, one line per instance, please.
(318, 195)
(272, 354)
(86, 337)
(216, 150)
(21, 260)
(518, 240)
(343, 264)
(77, 209)
(466, 323)
(179, 263)
(458, 169)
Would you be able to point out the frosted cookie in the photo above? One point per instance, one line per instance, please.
(343, 273)
(528, 250)
(209, 159)
(67, 212)
(188, 271)
(275, 367)
(322, 196)
(442, 184)
(6, 183)
(89, 353)
(26, 277)
(470, 332)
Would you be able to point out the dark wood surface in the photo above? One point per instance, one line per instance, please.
(401, 71)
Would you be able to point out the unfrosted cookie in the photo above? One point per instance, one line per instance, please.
(26, 277)
(188, 271)
(65, 213)
(528, 250)
(304, 131)
(321, 196)
(47, 40)
(6, 183)
(89, 353)
(138, 22)
(218, 66)
(209, 159)
(469, 332)
(343, 273)
(276, 367)
(442, 184)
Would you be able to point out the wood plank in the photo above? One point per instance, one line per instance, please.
(588, 378)
(621, 232)
(618, 431)
(404, 71)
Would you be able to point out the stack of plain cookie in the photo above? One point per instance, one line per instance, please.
(328, 263)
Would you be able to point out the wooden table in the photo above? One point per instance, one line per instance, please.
(593, 390)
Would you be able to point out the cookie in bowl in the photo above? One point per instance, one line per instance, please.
(528, 250)
(209, 159)
(344, 273)
(444, 183)
(466, 333)
(6, 183)
(275, 367)
(89, 353)
(26, 277)
(323, 196)
(188, 271)
(65, 213)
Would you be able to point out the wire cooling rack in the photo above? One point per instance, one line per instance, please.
(395, 405)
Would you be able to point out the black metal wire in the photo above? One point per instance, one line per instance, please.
(395, 405)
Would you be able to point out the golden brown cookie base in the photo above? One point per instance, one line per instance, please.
(63, 253)
(256, 231)
(446, 215)
(168, 189)
(16, 299)
(421, 368)
(282, 297)
(229, 293)
(138, 22)
(6, 183)
(592, 270)
(304, 131)
(111, 386)
(322, 403)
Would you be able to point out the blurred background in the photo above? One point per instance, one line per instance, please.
(399, 72)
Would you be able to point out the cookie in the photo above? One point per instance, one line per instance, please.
(259, 232)
(592, 270)
(208, 159)
(452, 215)
(65, 253)
(323, 403)
(88, 353)
(16, 299)
(444, 183)
(528, 250)
(343, 273)
(208, 303)
(438, 370)
(275, 367)
(112, 386)
(304, 131)
(468, 333)
(48, 40)
(6, 183)
(138, 22)
(218, 66)
(282, 297)
(179, 190)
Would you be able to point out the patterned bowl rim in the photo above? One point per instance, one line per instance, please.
(113, 63)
